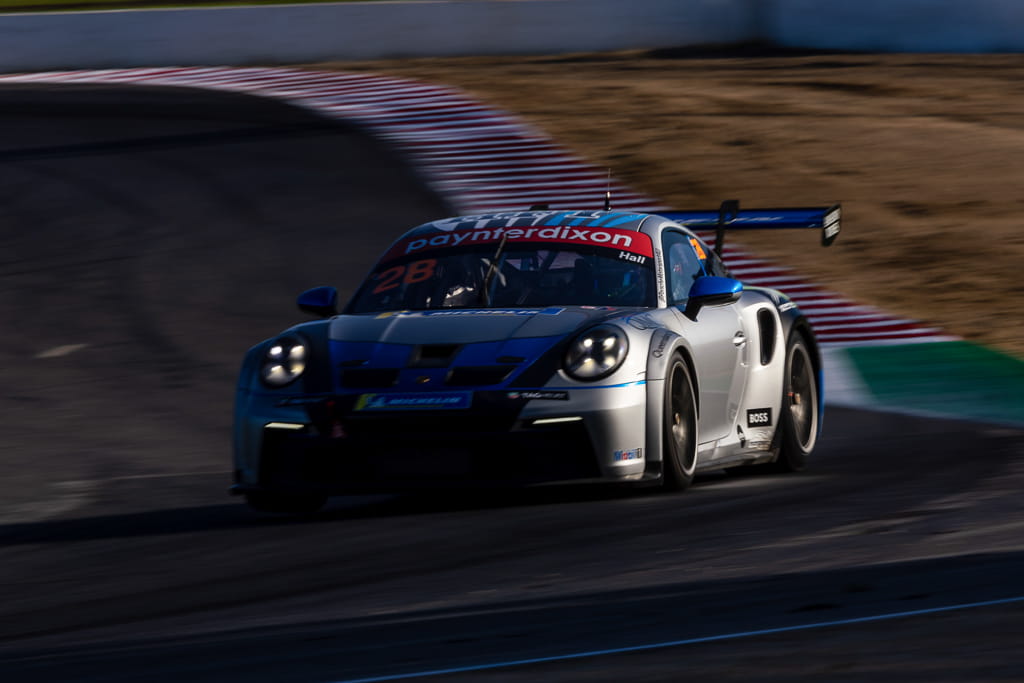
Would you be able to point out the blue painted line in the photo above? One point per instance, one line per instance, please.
(687, 641)
(605, 220)
(638, 383)
(557, 218)
(625, 219)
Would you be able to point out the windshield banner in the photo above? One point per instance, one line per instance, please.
(569, 236)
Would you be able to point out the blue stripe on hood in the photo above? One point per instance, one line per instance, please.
(521, 352)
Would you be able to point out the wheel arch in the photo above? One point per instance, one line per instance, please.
(665, 345)
(799, 324)
(687, 356)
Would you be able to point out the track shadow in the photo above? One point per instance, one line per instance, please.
(148, 523)
(236, 515)
(534, 635)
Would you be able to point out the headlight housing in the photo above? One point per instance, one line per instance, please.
(596, 353)
(283, 362)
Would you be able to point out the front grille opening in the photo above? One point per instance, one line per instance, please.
(406, 452)
(478, 375)
(365, 378)
(433, 355)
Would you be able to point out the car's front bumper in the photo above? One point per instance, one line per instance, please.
(593, 434)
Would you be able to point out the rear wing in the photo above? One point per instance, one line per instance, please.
(730, 217)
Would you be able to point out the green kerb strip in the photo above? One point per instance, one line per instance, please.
(947, 378)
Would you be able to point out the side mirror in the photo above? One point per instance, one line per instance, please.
(712, 291)
(321, 301)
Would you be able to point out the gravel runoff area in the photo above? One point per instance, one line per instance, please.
(926, 153)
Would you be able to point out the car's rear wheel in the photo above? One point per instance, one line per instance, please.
(679, 453)
(285, 503)
(799, 418)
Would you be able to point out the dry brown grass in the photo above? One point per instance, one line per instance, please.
(926, 152)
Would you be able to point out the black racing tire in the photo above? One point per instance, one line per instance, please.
(799, 417)
(679, 451)
(286, 503)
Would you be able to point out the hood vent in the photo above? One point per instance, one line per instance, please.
(433, 355)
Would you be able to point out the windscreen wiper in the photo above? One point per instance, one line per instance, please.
(492, 270)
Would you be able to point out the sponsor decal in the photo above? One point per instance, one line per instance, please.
(642, 321)
(759, 417)
(788, 306)
(505, 217)
(452, 400)
(658, 348)
(534, 218)
(659, 271)
(629, 256)
(543, 394)
(628, 241)
(631, 454)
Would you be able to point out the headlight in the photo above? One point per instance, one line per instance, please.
(596, 353)
(284, 362)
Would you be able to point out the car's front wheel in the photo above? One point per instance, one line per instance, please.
(285, 503)
(799, 418)
(679, 452)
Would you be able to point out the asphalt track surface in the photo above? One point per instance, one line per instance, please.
(149, 236)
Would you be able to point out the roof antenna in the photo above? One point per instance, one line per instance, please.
(608, 193)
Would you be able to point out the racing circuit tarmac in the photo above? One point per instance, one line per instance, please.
(151, 235)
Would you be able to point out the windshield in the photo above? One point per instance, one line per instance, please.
(524, 275)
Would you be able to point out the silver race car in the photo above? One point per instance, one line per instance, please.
(534, 347)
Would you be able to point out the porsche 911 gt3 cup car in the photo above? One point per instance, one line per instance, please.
(534, 347)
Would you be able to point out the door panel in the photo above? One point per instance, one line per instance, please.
(717, 356)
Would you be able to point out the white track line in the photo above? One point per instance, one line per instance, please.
(59, 351)
(687, 641)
